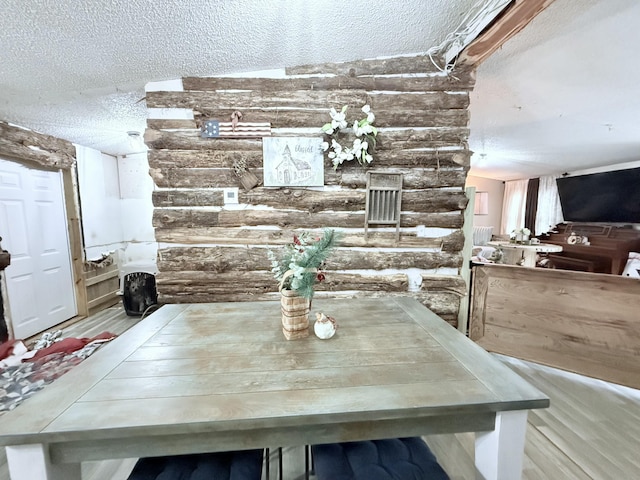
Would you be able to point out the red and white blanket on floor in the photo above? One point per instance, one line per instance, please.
(24, 372)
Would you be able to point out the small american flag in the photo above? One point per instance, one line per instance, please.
(245, 130)
(216, 129)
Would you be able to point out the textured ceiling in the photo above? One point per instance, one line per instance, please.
(562, 95)
(564, 90)
(77, 69)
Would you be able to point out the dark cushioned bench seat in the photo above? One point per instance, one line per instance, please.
(392, 459)
(241, 465)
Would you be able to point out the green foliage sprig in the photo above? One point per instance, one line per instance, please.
(299, 266)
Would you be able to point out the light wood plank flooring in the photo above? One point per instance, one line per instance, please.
(591, 430)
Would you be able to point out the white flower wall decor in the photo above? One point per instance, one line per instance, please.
(363, 144)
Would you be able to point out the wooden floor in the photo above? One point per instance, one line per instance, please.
(591, 430)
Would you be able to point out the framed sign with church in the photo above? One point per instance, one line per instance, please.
(293, 162)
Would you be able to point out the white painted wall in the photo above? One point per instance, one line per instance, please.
(99, 188)
(136, 188)
(495, 188)
(117, 209)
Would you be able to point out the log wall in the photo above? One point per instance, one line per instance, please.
(211, 252)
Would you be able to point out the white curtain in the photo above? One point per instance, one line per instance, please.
(513, 205)
(549, 210)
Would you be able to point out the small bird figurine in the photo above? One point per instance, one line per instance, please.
(324, 326)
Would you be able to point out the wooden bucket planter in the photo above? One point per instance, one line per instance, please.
(295, 315)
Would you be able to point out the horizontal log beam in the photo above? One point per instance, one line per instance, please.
(387, 66)
(386, 140)
(451, 243)
(165, 159)
(510, 21)
(36, 148)
(444, 304)
(463, 80)
(256, 282)
(239, 259)
(185, 217)
(429, 200)
(310, 99)
(280, 118)
(448, 283)
(350, 176)
(191, 140)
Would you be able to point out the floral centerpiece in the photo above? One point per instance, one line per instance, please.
(299, 266)
(362, 146)
(298, 269)
(520, 235)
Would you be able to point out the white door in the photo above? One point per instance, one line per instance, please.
(33, 227)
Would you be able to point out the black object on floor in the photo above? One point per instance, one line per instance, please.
(391, 459)
(240, 465)
(139, 293)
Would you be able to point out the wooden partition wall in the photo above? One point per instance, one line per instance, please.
(587, 323)
(214, 252)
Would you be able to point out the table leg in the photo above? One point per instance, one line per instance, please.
(530, 257)
(499, 453)
(28, 462)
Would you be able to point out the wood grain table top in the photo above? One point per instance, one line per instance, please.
(207, 377)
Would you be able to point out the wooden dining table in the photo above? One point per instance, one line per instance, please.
(215, 377)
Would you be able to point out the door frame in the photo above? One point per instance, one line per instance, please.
(76, 247)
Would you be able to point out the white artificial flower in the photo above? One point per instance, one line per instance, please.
(370, 116)
(339, 119)
(521, 231)
(361, 128)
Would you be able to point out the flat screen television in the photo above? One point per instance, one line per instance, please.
(608, 197)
